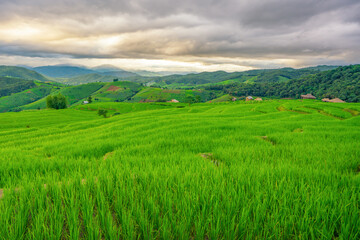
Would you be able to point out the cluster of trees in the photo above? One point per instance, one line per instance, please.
(192, 99)
(102, 112)
(56, 102)
(342, 82)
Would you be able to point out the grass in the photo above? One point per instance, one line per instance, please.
(150, 172)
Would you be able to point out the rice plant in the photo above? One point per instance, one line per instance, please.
(206, 171)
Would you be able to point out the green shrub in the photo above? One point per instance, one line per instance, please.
(56, 102)
(102, 112)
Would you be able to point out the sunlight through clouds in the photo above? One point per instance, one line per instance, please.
(186, 34)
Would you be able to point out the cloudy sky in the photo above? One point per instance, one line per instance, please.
(181, 35)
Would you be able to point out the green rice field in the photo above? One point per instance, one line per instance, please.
(281, 169)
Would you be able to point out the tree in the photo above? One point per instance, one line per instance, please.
(89, 99)
(102, 112)
(190, 99)
(115, 80)
(56, 102)
(198, 98)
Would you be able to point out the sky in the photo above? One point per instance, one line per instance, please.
(186, 35)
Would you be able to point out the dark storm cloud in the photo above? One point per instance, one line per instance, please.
(257, 29)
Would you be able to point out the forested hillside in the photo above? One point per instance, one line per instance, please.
(9, 85)
(220, 77)
(16, 100)
(99, 92)
(342, 82)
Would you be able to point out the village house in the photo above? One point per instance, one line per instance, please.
(85, 102)
(336, 100)
(308, 96)
(249, 98)
(258, 99)
(174, 101)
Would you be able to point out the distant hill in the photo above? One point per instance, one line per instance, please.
(342, 82)
(63, 71)
(106, 68)
(110, 68)
(221, 77)
(20, 72)
(149, 73)
(120, 74)
(76, 75)
(87, 78)
(96, 77)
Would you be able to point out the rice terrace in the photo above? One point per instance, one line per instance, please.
(194, 120)
(224, 170)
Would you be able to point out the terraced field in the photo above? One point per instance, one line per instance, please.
(258, 170)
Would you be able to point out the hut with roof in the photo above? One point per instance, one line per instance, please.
(336, 100)
(258, 99)
(325, 99)
(308, 96)
(249, 98)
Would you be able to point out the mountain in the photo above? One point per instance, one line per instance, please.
(145, 73)
(120, 74)
(88, 78)
(106, 68)
(20, 72)
(63, 71)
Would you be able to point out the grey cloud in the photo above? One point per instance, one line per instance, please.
(155, 29)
